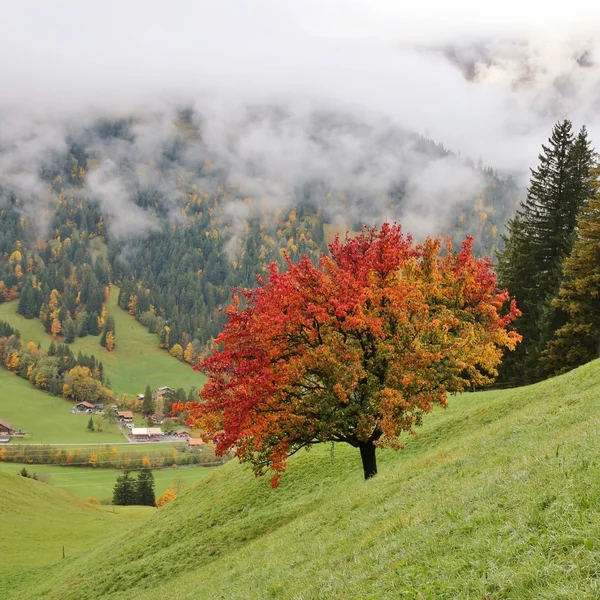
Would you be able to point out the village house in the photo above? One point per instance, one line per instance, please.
(6, 428)
(125, 416)
(160, 393)
(195, 443)
(83, 407)
(6, 431)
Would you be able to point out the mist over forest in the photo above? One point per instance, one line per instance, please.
(198, 143)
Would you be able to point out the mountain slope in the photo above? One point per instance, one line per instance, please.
(136, 361)
(38, 520)
(498, 496)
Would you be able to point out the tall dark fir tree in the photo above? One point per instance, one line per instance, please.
(538, 240)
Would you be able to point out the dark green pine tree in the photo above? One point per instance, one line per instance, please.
(90, 424)
(148, 403)
(144, 488)
(578, 340)
(70, 331)
(124, 492)
(92, 323)
(538, 240)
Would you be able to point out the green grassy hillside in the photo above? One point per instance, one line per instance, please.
(38, 520)
(136, 361)
(47, 419)
(498, 496)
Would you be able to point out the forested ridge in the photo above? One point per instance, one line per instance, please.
(178, 230)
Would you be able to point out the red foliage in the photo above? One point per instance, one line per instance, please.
(355, 350)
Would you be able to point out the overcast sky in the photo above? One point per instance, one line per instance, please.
(511, 72)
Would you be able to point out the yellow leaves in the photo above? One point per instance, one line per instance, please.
(56, 327)
(188, 355)
(12, 361)
(110, 341)
(167, 496)
(3, 454)
(176, 351)
(16, 256)
(54, 299)
(41, 382)
(146, 462)
(93, 460)
(132, 305)
(19, 272)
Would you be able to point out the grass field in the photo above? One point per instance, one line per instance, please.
(136, 361)
(38, 520)
(84, 482)
(498, 497)
(46, 418)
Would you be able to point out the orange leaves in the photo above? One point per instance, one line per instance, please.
(355, 349)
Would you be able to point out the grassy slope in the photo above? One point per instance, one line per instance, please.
(84, 482)
(136, 361)
(38, 520)
(499, 496)
(46, 418)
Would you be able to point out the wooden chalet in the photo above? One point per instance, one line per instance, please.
(6, 429)
(125, 415)
(84, 407)
(195, 442)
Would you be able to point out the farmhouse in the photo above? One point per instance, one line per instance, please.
(195, 442)
(125, 415)
(82, 407)
(161, 391)
(6, 428)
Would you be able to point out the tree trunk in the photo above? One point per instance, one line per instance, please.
(369, 461)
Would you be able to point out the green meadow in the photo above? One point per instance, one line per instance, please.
(84, 482)
(47, 419)
(136, 361)
(497, 497)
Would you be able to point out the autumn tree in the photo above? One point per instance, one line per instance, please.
(56, 327)
(167, 496)
(107, 339)
(354, 350)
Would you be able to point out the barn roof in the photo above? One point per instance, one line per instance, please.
(86, 404)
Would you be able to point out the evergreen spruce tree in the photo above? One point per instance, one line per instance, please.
(538, 240)
(577, 341)
(124, 493)
(90, 424)
(147, 403)
(70, 331)
(144, 488)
